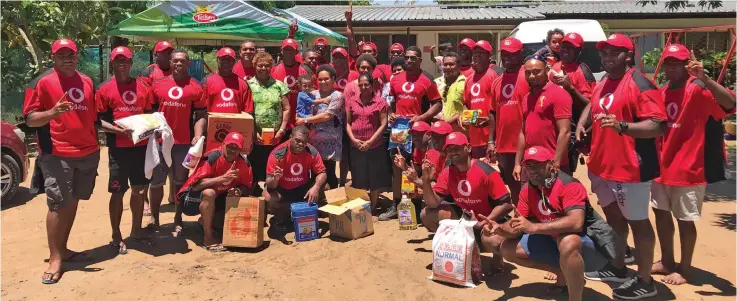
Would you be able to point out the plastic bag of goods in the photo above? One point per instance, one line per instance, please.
(143, 125)
(400, 136)
(456, 257)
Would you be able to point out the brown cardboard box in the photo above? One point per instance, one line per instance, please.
(244, 222)
(351, 220)
(220, 124)
(341, 195)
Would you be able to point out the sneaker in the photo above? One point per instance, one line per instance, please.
(629, 257)
(608, 273)
(390, 214)
(635, 289)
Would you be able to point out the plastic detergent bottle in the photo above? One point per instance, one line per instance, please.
(407, 214)
(304, 216)
(194, 154)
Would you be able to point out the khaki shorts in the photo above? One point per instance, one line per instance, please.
(67, 179)
(632, 198)
(684, 202)
(179, 172)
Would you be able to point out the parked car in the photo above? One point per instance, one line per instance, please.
(14, 163)
(532, 34)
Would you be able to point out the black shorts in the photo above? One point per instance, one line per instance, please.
(126, 166)
(293, 195)
(190, 200)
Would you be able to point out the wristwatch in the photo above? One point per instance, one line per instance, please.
(623, 127)
(492, 142)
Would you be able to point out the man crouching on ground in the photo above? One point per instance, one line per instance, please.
(554, 240)
(222, 173)
(467, 186)
(291, 170)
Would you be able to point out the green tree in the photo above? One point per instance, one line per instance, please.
(676, 5)
(269, 4)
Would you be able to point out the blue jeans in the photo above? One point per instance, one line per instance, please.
(543, 249)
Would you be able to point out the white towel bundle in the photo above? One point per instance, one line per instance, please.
(152, 150)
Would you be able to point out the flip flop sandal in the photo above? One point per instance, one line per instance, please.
(178, 231)
(50, 280)
(215, 248)
(77, 257)
(120, 245)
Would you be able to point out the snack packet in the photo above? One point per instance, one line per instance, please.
(400, 136)
(470, 116)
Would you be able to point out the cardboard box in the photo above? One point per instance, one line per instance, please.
(341, 195)
(351, 220)
(220, 124)
(244, 222)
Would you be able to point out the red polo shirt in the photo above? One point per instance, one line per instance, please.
(477, 96)
(296, 167)
(243, 72)
(561, 198)
(289, 76)
(580, 76)
(342, 79)
(120, 101)
(214, 165)
(508, 91)
(691, 149)
(437, 159)
(410, 91)
(151, 74)
(479, 189)
(73, 134)
(623, 158)
(541, 112)
(226, 94)
(177, 101)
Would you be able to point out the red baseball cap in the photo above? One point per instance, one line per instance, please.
(162, 46)
(340, 50)
(121, 50)
(289, 43)
(370, 44)
(485, 45)
(420, 126)
(441, 128)
(397, 46)
(468, 42)
(677, 51)
(511, 45)
(574, 39)
(234, 138)
(455, 138)
(539, 154)
(616, 40)
(63, 43)
(226, 51)
(321, 41)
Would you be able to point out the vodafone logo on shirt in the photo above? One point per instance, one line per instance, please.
(290, 81)
(606, 102)
(227, 94)
(408, 87)
(464, 188)
(175, 93)
(128, 97)
(542, 208)
(76, 95)
(342, 83)
(672, 111)
(296, 169)
(476, 89)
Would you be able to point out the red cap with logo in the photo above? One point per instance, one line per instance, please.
(677, 51)
(289, 43)
(574, 39)
(468, 42)
(455, 138)
(397, 46)
(63, 43)
(234, 138)
(340, 50)
(162, 46)
(321, 41)
(511, 45)
(485, 45)
(121, 50)
(420, 126)
(616, 40)
(370, 44)
(226, 51)
(539, 154)
(441, 128)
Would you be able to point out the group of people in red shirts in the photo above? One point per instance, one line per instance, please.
(646, 147)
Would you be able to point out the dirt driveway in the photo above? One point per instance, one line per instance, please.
(389, 265)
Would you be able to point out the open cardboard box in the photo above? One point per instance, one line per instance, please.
(350, 219)
(341, 195)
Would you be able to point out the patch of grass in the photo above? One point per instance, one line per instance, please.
(11, 115)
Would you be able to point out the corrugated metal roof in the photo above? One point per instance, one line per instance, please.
(624, 7)
(377, 13)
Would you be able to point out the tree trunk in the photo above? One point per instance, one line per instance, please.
(31, 48)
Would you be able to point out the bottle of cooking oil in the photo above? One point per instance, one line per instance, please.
(407, 214)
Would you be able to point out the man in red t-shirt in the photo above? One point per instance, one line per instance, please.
(322, 48)
(179, 98)
(414, 89)
(245, 68)
(691, 155)
(576, 78)
(477, 96)
(123, 96)
(546, 115)
(62, 108)
(465, 54)
(505, 118)
(344, 75)
(548, 231)
(627, 114)
(162, 67)
(224, 91)
(466, 187)
(288, 70)
(294, 173)
(221, 173)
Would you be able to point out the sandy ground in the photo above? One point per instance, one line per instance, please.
(389, 265)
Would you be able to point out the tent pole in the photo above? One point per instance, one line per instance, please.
(660, 62)
(725, 65)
